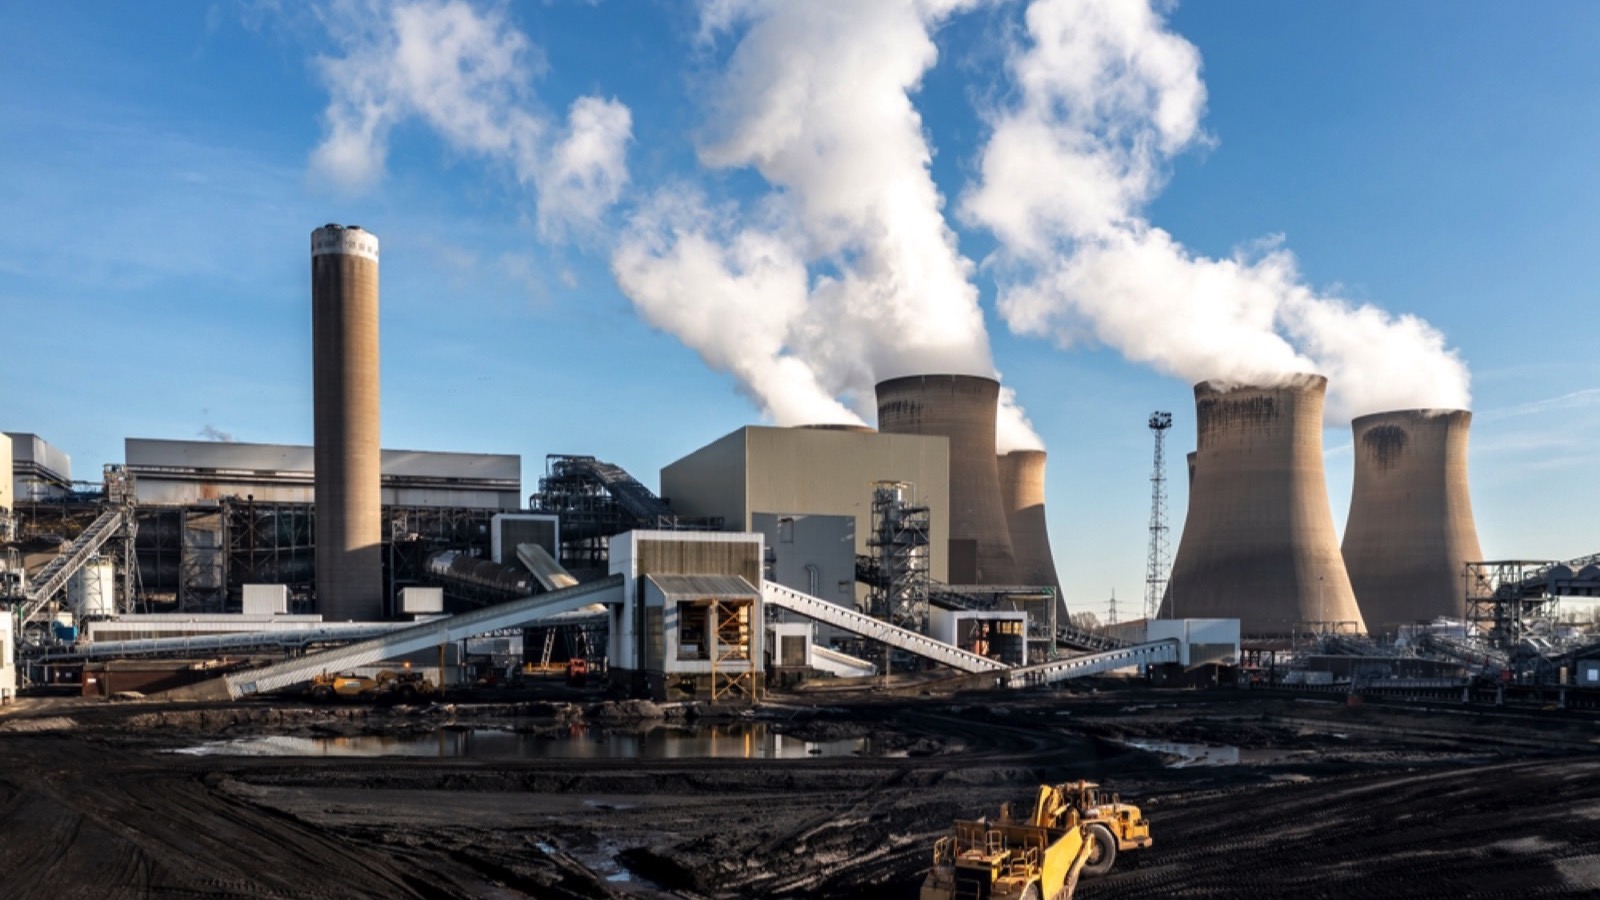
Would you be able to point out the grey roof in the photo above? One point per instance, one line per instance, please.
(677, 587)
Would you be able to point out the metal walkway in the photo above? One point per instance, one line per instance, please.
(54, 576)
(1153, 653)
(425, 636)
(238, 642)
(866, 626)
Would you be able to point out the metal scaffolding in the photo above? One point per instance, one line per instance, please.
(596, 500)
(899, 542)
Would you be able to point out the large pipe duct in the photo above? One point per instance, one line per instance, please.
(344, 346)
(1258, 543)
(1410, 531)
(961, 408)
(1022, 492)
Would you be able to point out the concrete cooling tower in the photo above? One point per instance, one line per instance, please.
(961, 408)
(1022, 492)
(1410, 531)
(1258, 543)
(344, 348)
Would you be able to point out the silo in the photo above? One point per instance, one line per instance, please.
(1022, 492)
(962, 408)
(1258, 543)
(344, 339)
(1410, 531)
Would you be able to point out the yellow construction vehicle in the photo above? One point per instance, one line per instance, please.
(388, 686)
(1113, 826)
(1008, 860)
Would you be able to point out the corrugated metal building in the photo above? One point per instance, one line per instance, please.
(39, 471)
(187, 473)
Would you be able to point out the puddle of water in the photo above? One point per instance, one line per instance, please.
(733, 741)
(1192, 754)
(1213, 754)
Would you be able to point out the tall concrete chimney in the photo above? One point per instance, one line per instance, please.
(1258, 543)
(1022, 492)
(1410, 531)
(961, 408)
(344, 347)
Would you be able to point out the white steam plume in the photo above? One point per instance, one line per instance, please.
(467, 75)
(1106, 97)
(846, 272)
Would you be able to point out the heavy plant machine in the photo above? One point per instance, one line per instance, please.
(1114, 827)
(1070, 833)
(388, 686)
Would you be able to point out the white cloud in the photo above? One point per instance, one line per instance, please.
(1107, 95)
(817, 97)
(466, 74)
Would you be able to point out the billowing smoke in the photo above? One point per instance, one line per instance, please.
(1105, 97)
(845, 273)
(468, 75)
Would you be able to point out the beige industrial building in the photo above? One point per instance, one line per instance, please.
(813, 471)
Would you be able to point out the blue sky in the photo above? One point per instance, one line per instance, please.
(627, 228)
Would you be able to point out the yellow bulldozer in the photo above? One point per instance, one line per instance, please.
(1071, 833)
(388, 686)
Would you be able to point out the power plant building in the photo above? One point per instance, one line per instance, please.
(812, 473)
(1411, 530)
(344, 347)
(1258, 543)
(38, 470)
(961, 408)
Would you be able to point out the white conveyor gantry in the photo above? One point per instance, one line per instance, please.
(1150, 654)
(866, 626)
(425, 636)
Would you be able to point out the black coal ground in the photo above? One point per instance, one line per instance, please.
(1327, 801)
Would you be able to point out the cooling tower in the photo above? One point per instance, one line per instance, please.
(1410, 531)
(344, 347)
(961, 408)
(1258, 543)
(1022, 493)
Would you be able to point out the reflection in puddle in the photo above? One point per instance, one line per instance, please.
(753, 740)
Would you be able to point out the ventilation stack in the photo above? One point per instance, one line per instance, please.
(1022, 492)
(961, 408)
(1411, 531)
(344, 347)
(1258, 543)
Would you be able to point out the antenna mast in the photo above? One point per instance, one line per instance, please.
(1155, 577)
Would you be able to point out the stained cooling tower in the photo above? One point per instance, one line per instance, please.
(1410, 530)
(961, 408)
(344, 346)
(1022, 492)
(1258, 543)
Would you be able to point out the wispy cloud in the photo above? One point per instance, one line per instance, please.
(468, 75)
(1576, 401)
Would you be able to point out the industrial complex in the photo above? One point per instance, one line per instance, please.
(911, 559)
(912, 547)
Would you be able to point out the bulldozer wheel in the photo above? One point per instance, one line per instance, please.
(408, 693)
(1031, 892)
(1102, 851)
(322, 693)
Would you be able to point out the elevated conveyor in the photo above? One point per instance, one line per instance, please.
(54, 577)
(866, 626)
(1153, 653)
(425, 636)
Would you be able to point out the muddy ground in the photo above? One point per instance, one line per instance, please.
(1327, 801)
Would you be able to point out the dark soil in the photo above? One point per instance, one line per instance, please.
(1329, 802)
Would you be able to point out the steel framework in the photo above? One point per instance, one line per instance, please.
(596, 500)
(899, 542)
(1155, 575)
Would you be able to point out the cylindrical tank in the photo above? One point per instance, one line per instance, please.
(1258, 543)
(1022, 491)
(344, 339)
(961, 408)
(92, 591)
(1410, 531)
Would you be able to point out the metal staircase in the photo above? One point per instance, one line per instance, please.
(55, 575)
